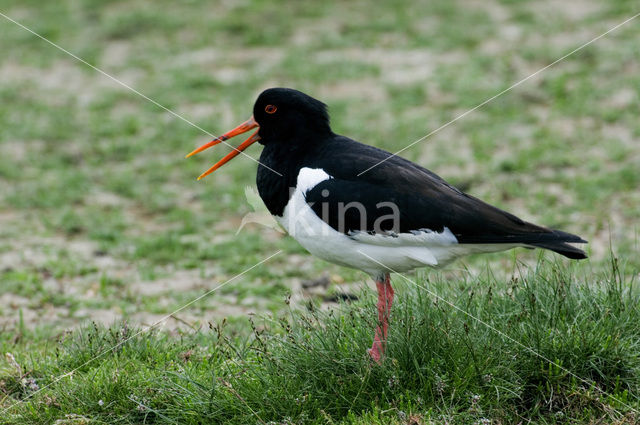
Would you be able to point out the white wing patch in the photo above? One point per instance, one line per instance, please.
(419, 245)
(309, 178)
(422, 237)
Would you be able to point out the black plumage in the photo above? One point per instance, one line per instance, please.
(425, 200)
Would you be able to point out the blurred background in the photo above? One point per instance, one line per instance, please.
(101, 216)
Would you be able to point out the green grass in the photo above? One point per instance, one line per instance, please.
(101, 217)
(312, 367)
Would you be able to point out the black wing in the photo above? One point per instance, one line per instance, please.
(423, 200)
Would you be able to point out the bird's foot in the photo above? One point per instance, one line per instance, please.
(376, 351)
(375, 355)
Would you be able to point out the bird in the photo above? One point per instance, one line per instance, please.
(362, 207)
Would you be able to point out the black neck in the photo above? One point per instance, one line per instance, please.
(273, 188)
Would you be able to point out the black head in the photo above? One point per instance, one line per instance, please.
(283, 116)
(290, 116)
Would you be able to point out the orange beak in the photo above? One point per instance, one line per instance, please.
(242, 128)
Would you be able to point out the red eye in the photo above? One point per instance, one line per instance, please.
(270, 109)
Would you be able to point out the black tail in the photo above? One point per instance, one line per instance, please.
(557, 242)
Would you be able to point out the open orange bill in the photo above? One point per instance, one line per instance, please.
(242, 128)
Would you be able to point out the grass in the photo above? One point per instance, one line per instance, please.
(101, 218)
(311, 366)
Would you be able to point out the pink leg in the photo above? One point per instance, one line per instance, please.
(385, 299)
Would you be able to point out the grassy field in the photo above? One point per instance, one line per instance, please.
(104, 230)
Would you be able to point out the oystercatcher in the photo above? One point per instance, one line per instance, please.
(396, 216)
